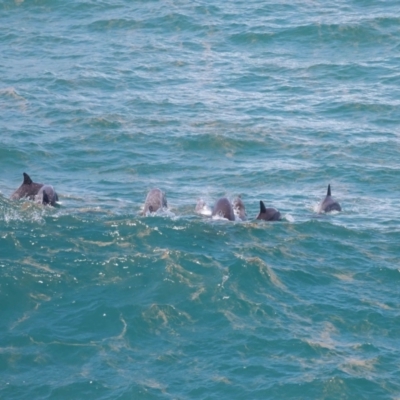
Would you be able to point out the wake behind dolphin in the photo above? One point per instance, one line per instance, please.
(329, 204)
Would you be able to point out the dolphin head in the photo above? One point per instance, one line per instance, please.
(46, 195)
(239, 208)
(202, 208)
(200, 205)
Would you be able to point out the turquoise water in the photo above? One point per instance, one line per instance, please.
(108, 99)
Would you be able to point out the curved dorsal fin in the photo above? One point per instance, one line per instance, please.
(329, 190)
(27, 179)
(262, 207)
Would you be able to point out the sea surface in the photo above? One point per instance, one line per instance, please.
(271, 101)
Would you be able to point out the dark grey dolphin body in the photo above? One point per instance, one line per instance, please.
(28, 189)
(46, 195)
(223, 208)
(329, 204)
(268, 214)
(239, 208)
(155, 200)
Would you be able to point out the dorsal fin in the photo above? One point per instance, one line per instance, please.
(262, 207)
(27, 179)
(329, 190)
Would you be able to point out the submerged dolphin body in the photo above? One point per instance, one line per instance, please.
(46, 195)
(329, 204)
(268, 214)
(28, 189)
(239, 208)
(155, 200)
(223, 208)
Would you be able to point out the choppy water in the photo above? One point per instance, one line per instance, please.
(107, 99)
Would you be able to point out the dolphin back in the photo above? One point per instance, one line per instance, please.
(27, 189)
(155, 200)
(329, 203)
(223, 208)
(268, 214)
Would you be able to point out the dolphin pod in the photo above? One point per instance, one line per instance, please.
(157, 200)
(224, 209)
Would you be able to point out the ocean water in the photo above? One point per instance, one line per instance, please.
(272, 101)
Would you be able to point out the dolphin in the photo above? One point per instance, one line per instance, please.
(329, 204)
(46, 195)
(200, 205)
(223, 208)
(155, 200)
(28, 189)
(202, 208)
(239, 208)
(268, 214)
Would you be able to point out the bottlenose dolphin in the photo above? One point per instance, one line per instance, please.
(223, 208)
(202, 208)
(155, 200)
(268, 214)
(28, 189)
(329, 204)
(200, 205)
(239, 208)
(46, 195)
